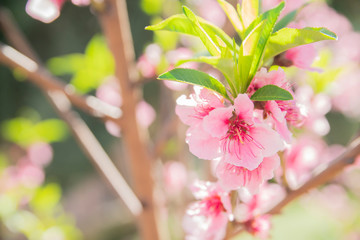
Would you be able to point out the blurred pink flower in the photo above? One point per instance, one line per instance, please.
(145, 114)
(44, 10)
(301, 159)
(259, 227)
(109, 92)
(255, 205)
(233, 177)
(346, 94)
(290, 5)
(315, 107)
(302, 56)
(211, 11)
(207, 218)
(175, 177)
(40, 153)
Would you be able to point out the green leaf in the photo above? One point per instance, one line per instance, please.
(249, 11)
(233, 16)
(288, 38)
(203, 35)
(195, 77)
(181, 24)
(224, 65)
(271, 92)
(253, 47)
(283, 22)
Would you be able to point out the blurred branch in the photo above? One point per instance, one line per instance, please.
(60, 101)
(327, 173)
(115, 24)
(29, 64)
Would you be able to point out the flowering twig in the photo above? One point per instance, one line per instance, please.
(115, 24)
(328, 173)
(56, 96)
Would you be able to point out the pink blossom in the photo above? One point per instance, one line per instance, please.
(148, 62)
(302, 56)
(346, 94)
(145, 114)
(281, 112)
(207, 218)
(175, 177)
(243, 142)
(259, 227)
(40, 153)
(315, 107)
(319, 14)
(192, 112)
(233, 177)
(301, 158)
(254, 205)
(81, 2)
(44, 10)
(109, 92)
(212, 12)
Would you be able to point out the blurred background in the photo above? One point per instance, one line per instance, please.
(89, 209)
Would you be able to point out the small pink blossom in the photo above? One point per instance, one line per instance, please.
(242, 142)
(207, 218)
(259, 227)
(145, 114)
(40, 153)
(44, 10)
(302, 56)
(109, 92)
(301, 158)
(254, 205)
(175, 177)
(233, 177)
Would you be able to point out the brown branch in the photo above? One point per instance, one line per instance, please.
(328, 173)
(85, 138)
(94, 151)
(41, 77)
(115, 25)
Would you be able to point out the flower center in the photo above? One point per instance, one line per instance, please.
(212, 206)
(239, 130)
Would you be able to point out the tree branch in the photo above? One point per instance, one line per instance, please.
(329, 171)
(56, 95)
(116, 27)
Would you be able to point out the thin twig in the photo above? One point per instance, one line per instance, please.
(93, 149)
(328, 173)
(85, 138)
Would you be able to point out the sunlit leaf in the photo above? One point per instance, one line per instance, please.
(271, 92)
(181, 24)
(253, 47)
(288, 38)
(203, 35)
(195, 77)
(233, 16)
(249, 11)
(224, 65)
(283, 22)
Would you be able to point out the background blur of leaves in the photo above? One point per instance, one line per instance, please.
(73, 49)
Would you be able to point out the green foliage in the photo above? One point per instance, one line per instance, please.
(195, 77)
(239, 64)
(253, 47)
(152, 7)
(205, 38)
(233, 16)
(181, 24)
(271, 92)
(88, 70)
(46, 199)
(24, 131)
(288, 38)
